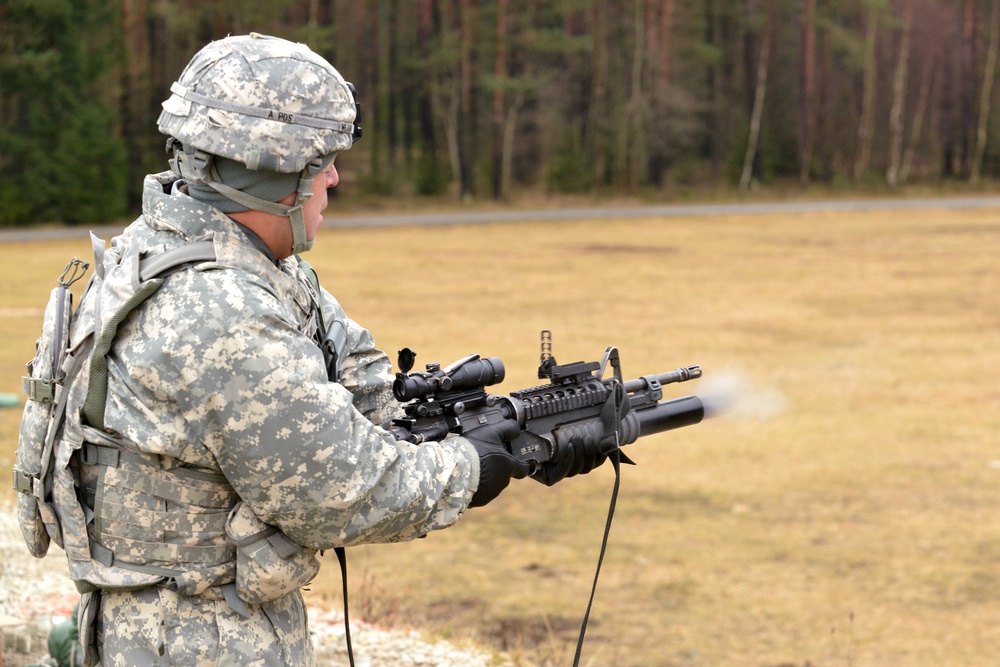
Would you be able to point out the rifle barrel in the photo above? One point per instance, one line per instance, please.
(682, 374)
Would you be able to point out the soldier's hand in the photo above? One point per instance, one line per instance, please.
(577, 457)
(496, 465)
(584, 451)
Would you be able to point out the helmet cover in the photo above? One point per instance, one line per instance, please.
(263, 101)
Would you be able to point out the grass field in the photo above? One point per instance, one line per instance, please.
(843, 513)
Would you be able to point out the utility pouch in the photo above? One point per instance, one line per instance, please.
(42, 414)
(269, 565)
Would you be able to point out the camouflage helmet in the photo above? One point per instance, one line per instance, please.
(265, 102)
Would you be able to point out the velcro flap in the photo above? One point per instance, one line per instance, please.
(283, 546)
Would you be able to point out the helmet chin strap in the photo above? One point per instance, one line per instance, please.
(296, 216)
(294, 213)
(207, 174)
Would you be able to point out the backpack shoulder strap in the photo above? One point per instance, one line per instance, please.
(152, 271)
(165, 263)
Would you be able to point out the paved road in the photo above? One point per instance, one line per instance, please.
(662, 211)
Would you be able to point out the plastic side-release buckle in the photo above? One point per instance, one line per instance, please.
(24, 482)
(39, 389)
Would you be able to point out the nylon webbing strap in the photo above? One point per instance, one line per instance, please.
(255, 537)
(195, 522)
(157, 265)
(282, 545)
(149, 269)
(170, 487)
(615, 410)
(97, 388)
(234, 601)
(270, 114)
(342, 557)
(333, 334)
(616, 462)
(169, 552)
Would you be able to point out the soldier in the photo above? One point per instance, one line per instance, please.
(243, 424)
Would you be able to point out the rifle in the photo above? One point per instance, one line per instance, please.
(454, 399)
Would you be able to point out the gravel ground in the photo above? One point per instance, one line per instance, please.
(39, 591)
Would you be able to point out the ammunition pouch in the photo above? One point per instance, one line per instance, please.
(269, 565)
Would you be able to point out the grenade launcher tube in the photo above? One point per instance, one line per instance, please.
(668, 415)
(663, 416)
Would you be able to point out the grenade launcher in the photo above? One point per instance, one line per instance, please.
(453, 399)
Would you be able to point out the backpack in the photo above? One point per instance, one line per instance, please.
(43, 387)
(54, 369)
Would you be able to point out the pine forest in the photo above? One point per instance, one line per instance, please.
(485, 100)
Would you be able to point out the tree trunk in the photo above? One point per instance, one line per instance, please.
(386, 16)
(659, 53)
(666, 39)
(899, 98)
(425, 105)
(867, 121)
(635, 136)
(969, 60)
(930, 71)
(444, 99)
(136, 95)
(758, 103)
(824, 154)
(312, 28)
(466, 25)
(986, 94)
(807, 132)
(528, 68)
(599, 103)
(500, 72)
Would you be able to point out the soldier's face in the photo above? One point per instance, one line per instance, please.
(313, 209)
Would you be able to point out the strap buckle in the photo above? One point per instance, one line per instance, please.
(39, 389)
(24, 482)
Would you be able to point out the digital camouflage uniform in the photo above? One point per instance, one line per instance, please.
(199, 442)
(219, 371)
(222, 431)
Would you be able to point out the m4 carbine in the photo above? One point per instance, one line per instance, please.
(574, 404)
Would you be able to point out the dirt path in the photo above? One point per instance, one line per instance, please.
(335, 220)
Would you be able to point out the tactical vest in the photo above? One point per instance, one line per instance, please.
(126, 519)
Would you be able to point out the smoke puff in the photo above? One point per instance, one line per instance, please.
(733, 394)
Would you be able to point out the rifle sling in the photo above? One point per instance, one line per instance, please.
(615, 457)
(342, 557)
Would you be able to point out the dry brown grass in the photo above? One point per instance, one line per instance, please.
(843, 515)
